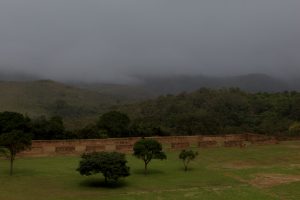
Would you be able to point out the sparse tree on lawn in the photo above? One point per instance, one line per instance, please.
(148, 149)
(187, 156)
(15, 142)
(111, 164)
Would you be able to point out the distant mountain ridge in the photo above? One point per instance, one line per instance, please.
(153, 85)
(249, 82)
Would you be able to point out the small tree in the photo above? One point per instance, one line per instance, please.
(187, 156)
(111, 164)
(14, 142)
(148, 149)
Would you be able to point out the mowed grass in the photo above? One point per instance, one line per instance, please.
(256, 172)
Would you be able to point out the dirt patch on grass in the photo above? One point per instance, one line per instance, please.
(295, 165)
(270, 180)
(189, 191)
(294, 146)
(239, 165)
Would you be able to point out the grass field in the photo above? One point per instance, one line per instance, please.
(257, 172)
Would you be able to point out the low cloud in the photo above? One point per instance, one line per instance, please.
(114, 40)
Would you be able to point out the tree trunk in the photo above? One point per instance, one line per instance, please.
(11, 165)
(185, 165)
(105, 178)
(146, 168)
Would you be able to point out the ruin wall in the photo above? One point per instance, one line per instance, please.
(125, 145)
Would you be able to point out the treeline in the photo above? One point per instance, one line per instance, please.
(111, 124)
(222, 111)
(206, 111)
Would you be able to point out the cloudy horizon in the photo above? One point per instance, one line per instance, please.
(113, 40)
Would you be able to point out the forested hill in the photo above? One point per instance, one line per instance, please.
(204, 111)
(208, 111)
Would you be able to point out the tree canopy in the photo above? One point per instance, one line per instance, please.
(187, 156)
(47, 129)
(148, 149)
(217, 111)
(11, 121)
(111, 164)
(15, 142)
(115, 123)
(205, 111)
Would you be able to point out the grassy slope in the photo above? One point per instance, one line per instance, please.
(55, 178)
(40, 98)
(125, 92)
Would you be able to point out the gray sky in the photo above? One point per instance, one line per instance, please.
(112, 39)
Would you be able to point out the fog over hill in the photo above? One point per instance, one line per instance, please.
(153, 85)
(11, 75)
(111, 41)
(249, 82)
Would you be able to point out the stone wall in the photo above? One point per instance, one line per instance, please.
(125, 145)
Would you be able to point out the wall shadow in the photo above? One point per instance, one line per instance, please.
(100, 183)
(150, 171)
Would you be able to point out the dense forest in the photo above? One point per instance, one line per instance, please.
(205, 111)
(222, 111)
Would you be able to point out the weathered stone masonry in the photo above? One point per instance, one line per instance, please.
(125, 145)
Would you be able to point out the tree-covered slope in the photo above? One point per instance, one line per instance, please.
(208, 111)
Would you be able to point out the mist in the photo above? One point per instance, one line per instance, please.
(115, 40)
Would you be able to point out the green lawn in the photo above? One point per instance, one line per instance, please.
(265, 172)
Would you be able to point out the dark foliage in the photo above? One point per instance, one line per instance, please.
(206, 111)
(48, 129)
(187, 156)
(223, 111)
(15, 142)
(111, 164)
(11, 121)
(115, 123)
